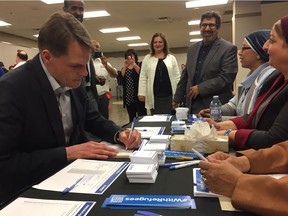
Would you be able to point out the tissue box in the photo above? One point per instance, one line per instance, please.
(183, 143)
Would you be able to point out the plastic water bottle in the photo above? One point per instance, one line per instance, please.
(215, 109)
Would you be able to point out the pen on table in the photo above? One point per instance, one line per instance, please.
(132, 127)
(191, 163)
(199, 155)
(68, 189)
(176, 163)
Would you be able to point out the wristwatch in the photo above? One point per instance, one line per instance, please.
(226, 132)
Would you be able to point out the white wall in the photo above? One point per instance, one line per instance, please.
(8, 53)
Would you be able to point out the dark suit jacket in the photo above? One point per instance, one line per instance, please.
(32, 143)
(217, 75)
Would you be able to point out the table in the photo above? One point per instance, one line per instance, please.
(168, 182)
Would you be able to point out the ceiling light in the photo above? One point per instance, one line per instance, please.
(194, 22)
(52, 1)
(2, 23)
(36, 35)
(194, 33)
(128, 38)
(138, 44)
(203, 3)
(91, 14)
(195, 39)
(5, 42)
(112, 30)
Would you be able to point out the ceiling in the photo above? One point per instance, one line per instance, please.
(143, 18)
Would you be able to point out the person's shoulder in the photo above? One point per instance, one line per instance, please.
(194, 45)
(224, 42)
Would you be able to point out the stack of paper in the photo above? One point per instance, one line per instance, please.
(143, 167)
(142, 173)
(149, 201)
(178, 127)
(144, 157)
(158, 143)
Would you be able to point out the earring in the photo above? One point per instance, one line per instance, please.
(258, 57)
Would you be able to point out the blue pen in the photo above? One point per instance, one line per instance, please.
(68, 189)
(132, 127)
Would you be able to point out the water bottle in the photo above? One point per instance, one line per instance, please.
(215, 109)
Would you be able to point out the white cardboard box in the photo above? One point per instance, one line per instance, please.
(182, 143)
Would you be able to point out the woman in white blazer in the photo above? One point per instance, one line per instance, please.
(159, 77)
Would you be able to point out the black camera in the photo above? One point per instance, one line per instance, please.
(97, 54)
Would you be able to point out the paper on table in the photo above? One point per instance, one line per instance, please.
(147, 132)
(123, 152)
(226, 205)
(156, 118)
(43, 207)
(95, 176)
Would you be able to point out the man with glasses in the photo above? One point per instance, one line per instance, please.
(211, 68)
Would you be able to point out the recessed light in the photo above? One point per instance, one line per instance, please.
(90, 14)
(194, 33)
(52, 1)
(2, 23)
(203, 3)
(128, 38)
(138, 44)
(196, 39)
(194, 22)
(112, 30)
(5, 42)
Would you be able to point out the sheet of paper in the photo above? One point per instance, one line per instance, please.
(84, 176)
(123, 153)
(156, 118)
(43, 207)
(226, 205)
(148, 132)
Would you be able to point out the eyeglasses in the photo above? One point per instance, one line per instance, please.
(245, 48)
(211, 25)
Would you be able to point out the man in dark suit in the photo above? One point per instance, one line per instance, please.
(211, 68)
(44, 110)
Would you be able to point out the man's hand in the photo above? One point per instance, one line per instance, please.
(91, 150)
(220, 178)
(205, 113)
(132, 142)
(141, 98)
(193, 92)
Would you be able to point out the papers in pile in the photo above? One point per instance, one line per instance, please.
(158, 143)
(143, 167)
(142, 173)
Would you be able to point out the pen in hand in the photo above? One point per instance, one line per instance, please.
(199, 155)
(132, 127)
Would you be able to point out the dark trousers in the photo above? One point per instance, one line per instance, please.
(103, 105)
(136, 109)
(162, 105)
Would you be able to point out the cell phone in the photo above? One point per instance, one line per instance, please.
(97, 54)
